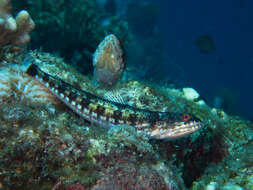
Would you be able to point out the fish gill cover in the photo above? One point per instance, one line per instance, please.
(46, 145)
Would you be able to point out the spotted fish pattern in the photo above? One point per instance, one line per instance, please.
(102, 112)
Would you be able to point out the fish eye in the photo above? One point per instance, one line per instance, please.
(186, 117)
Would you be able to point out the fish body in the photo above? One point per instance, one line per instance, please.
(108, 61)
(102, 112)
(205, 44)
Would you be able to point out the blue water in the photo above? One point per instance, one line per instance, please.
(230, 66)
(223, 76)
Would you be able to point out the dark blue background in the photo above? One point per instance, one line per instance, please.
(230, 23)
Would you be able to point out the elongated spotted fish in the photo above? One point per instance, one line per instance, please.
(102, 112)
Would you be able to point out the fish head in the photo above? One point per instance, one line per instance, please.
(175, 126)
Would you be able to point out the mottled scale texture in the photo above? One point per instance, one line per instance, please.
(106, 113)
(108, 61)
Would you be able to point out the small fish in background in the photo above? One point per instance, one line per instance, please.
(205, 44)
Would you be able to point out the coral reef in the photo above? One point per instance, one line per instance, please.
(132, 177)
(56, 148)
(45, 145)
(14, 31)
(234, 170)
(50, 147)
(108, 61)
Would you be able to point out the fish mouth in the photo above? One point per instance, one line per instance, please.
(177, 130)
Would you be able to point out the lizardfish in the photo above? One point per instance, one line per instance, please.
(106, 113)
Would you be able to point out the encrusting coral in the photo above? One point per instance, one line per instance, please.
(14, 31)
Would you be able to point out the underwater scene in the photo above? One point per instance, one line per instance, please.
(126, 95)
